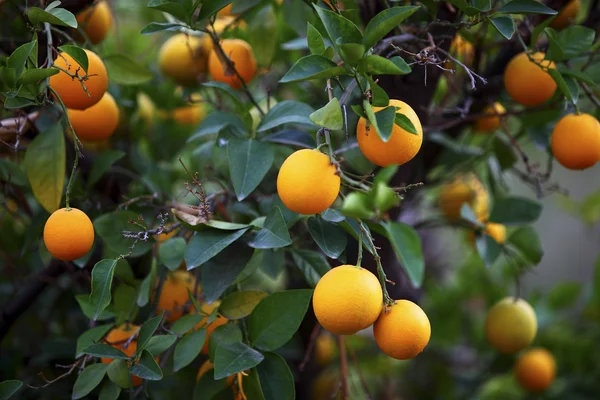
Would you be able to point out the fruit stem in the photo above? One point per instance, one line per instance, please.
(380, 272)
(76, 144)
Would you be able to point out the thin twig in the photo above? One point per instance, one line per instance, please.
(310, 346)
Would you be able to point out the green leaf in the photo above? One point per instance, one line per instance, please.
(105, 351)
(224, 334)
(146, 332)
(102, 163)
(238, 305)
(385, 122)
(249, 162)
(207, 388)
(331, 215)
(102, 276)
(262, 34)
(488, 249)
(225, 89)
(91, 336)
(8, 388)
(330, 238)
(403, 122)
(312, 67)
(312, 265)
(154, 27)
(569, 43)
(384, 22)
(353, 228)
(286, 112)
(233, 358)
(109, 391)
(44, 164)
(124, 70)
(505, 25)
(564, 295)
(377, 65)
(379, 97)
(123, 301)
(110, 227)
(573, 88)
(8, 76)
(526, 7)
(78, 54)
(118, 372)
(220, 272)
(147, 286)
(274, 233)
(277, 317)
(175, 8)
(407, 247)
(147, 368)
(292, 137)
(88, 379)
(329, 116)
(385, 175)
(276, 379)
(18, 102)
(316, 45)
(527, 241)
(18, 59)
(226, 226)
(88, 310)
(188, 348)
(170, 252)
(515, 211)
(351, 53)
(160, 343)
(56, 16)
(211, 7)
(340, 29)
(208, 243)
(33, 76)
(186, 323)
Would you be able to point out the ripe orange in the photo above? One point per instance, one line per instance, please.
(347, 299)
(183, 58)
(535, 370)
(174, 294)
(163, 237)
(71, 90)
(68, 234)
(225, 11)
(496, 231)
(510, 325)
(491, 123)
(402, 145)
(464, 189)
(567, 15)
(461, 49)
(118, 338)
(95, 21)
(324, 349)
(192, 114)
(403, 330)
(576, 141)
(527, 82)
(228, 22)
(98, 122)
(208, 309)
(307, 182)
(241, 55)
(209, 366)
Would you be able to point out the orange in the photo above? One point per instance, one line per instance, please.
(496, 231)
(324, 349)
(576, 141)
(68, 234)
(208, 309)
(192, 114)
(146, 108)
(402, 145)
(98, 122)
(347, 299)
(183, 58)
(208, 366)
(163, 237)
(228, 22)
(242, 57)
(95, 21)
(527, 82)
(403, 330)
(535, 370)
(464, 189)
(493, 122)
(567, 15)
(462, 50)
(117, 338)
(308, 182)
(510, 325)
(225, 11)
(174, 294)
(71, 90)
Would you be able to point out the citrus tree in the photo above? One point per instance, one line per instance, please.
(213, 199)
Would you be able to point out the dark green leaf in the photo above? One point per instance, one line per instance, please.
(8, 388)
(224, 334)
(384, 22)
(379, 96)
(505, 25)
(171, 252)
(160, 343)
(102, 276)
(314, 39)
(154, 27)
(220, 272)
(262, 34)
(105, 351)
(385, 122)
(147, 286)
(118, 372)
(312, 67)
(331, 215)
(102, 163)
(110, 227)
(226, 90)
(174, 8)
(403, 122)
(527, 241)
(91, 336)
(274, 233)
(351, 53)
(208, 243)
(526, 7)
(88, 379)
(312, 265)
(78, 55)
(286, 112)
(19, 56)
(207, 388)
(329, 116)
(211, 7)
(329, 237)
(88, 310)
(292, 137)
(249, 162)
(109, 391)
(123, 301)
(377, 65)
(35, 75)
(407, 246)
(124, 70)
(276, 379)
(18, 102)
(488, 249)
(340, 29)
(56, 16)
(277, 317)
(146, 332)
(233, 358)
(238, 305)
(515, 211)
(186, 323)
(147, 368)
(44, 164)
(188, 348)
